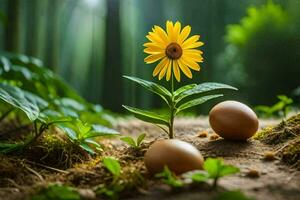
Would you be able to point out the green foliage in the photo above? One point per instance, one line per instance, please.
(232, 195)
(169, 178)
(281, 108)
(261, 56)
(27, 86)
(57, 192)
(214, 169)
(131, 142)
(113, 166)
(111, 190)
(183, 98)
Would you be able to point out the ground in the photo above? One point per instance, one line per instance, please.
(260, 178)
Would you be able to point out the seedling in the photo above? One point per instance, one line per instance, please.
(134, 144)
(57, 192)
(171, 48)
(232, 195)
(169, 178)
(281, 108)
(214, 169)
(113, 189)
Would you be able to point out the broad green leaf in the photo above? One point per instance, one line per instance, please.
(227, 170)
(153, 87)
(69, 132)
(112, 165)
(19, 99)
(197, 176)
(99, 131)
(86, 147)
(183, 89)
(213, 166)
(204, 87)
(129, 140)
(216, 168)
(148, 116)
(93, 142)
(197, 101)
(140, 139)
(5, 63)
(41, 103)
(83, 128)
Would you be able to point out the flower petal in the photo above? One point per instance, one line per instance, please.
(170, 30)
(185, 69)
(153, 58)
(168, 76)
(184, 34)
(160, 65)
(194, 45)
(162, 34)
(155, 38)
(194, 57)
(190, 63)
(164, 70)
(176, 70)
(153, 50)
(190, 41)
(176, 31)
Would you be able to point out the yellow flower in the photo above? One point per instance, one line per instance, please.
(174, 49)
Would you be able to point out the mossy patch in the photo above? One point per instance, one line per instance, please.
(285, 131)
(286, 138)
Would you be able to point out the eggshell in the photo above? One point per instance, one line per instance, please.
(233, 120)
(177, 155)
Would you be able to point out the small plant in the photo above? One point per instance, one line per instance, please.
(57, 192)
(177, 54)
(134, 144)
(214, 169)
(169, 178)
(232, 195)
(37, 99)
(113, 189)
(281, 108)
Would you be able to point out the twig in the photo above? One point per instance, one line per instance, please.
(47, 167)
(35, 173)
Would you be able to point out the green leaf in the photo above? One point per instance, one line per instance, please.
(129, 140)
(216, 168)
(112, 165)
(197, 101)
(148, 116)
(153, 87)
(183, 89)
(169, 178)
(99, 131)
(19, 99)
(93, 142)
(86, 147)
(212, 166)
(204, 87)
(197, 176)
(69, 132)
(57, 192)
(140, 139)
(232, 195)
(228, 170)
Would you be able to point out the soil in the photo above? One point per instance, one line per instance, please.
(263, 175)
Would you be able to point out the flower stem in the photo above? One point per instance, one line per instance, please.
(172, 110)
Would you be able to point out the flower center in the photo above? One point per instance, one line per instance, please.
(174, 51)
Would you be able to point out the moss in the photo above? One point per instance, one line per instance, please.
(291, 153)
(53, 149)
(285, 131)
(286, 137)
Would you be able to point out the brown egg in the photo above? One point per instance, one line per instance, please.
(177, 155)
(233, 120)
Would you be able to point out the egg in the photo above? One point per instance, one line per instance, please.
(233, 120)
(177, 155)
